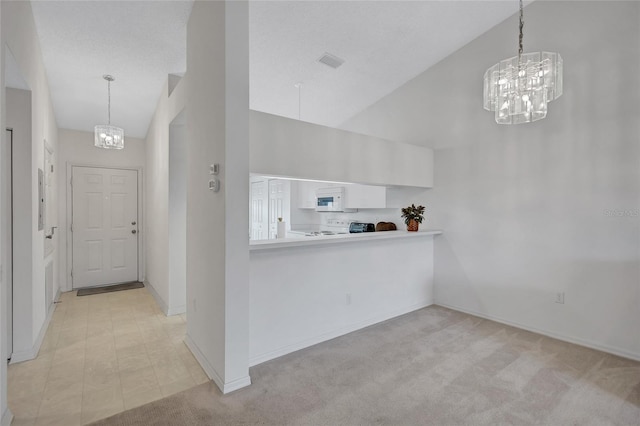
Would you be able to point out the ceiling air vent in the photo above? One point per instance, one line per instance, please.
(331, 60)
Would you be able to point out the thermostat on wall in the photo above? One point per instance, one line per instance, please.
(214, 185)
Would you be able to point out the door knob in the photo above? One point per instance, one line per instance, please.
(133, 231)
(133, 223)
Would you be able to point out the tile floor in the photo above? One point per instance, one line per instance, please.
(102, 354)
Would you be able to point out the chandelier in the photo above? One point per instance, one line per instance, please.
(106, 135)
(519, 88)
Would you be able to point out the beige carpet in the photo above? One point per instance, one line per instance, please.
(431, 367)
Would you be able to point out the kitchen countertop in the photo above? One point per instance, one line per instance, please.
(338, 239)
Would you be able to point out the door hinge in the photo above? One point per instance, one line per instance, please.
(71, 227)
(71, 181)
(72, 273)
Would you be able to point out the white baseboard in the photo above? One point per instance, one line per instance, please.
(7, 418)
(260, 358)
(32, 353)
(176, 310)
(212, 373)
(159, 300)
(575, 340)
(168, 311)
(236, 384)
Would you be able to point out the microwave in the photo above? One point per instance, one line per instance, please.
(331, 200)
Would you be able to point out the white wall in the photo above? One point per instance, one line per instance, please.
(157, 203)
(20, 37)
(291, 148)
(217, 111)
(77, 148)
(18, 118)
(177, 242)
(526, 209)
(5, 414)
(305, 295)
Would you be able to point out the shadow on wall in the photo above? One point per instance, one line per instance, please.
(585, 316)
(598, 295)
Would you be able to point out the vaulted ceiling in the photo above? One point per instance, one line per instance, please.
(383, 44)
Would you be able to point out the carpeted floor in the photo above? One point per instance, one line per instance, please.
(431, 367)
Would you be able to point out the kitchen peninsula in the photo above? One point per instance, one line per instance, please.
(315, 287)
(337, 239)
(308, 290)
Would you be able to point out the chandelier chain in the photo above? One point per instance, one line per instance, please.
(521, 36)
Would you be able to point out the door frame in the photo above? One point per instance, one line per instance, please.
(7, 243)
(69, 218)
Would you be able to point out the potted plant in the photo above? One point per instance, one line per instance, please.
(413, 216)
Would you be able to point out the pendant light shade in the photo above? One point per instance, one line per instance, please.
(519, 88)
(106, 135)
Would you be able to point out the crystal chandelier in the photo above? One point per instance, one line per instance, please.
(518, 88)
(108, 136)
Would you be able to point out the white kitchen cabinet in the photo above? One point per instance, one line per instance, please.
(358, 196)
(365, 197)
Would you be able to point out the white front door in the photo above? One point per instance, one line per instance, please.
(104, 226)
(259, 220)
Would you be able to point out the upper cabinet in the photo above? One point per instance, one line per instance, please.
(307, 193)
(365, 197)
(357, 196)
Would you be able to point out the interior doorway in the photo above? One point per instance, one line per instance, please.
(259, 212)
(104, 226)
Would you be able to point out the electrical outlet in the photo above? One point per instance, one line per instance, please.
(348, 298)
(560, 298)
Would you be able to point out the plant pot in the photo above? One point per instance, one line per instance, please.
(412, 225)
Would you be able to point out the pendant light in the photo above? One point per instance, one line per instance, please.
(108, 136)
(519, 88)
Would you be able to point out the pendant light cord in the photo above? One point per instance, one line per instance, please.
(299, 100)
(109, 102)
(298, 86)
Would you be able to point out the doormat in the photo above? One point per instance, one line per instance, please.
(109, 288)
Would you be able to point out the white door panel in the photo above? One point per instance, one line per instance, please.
(259, 200)
(279, 199)
(105, 230)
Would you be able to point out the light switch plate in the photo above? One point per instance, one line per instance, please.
(214, 185)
